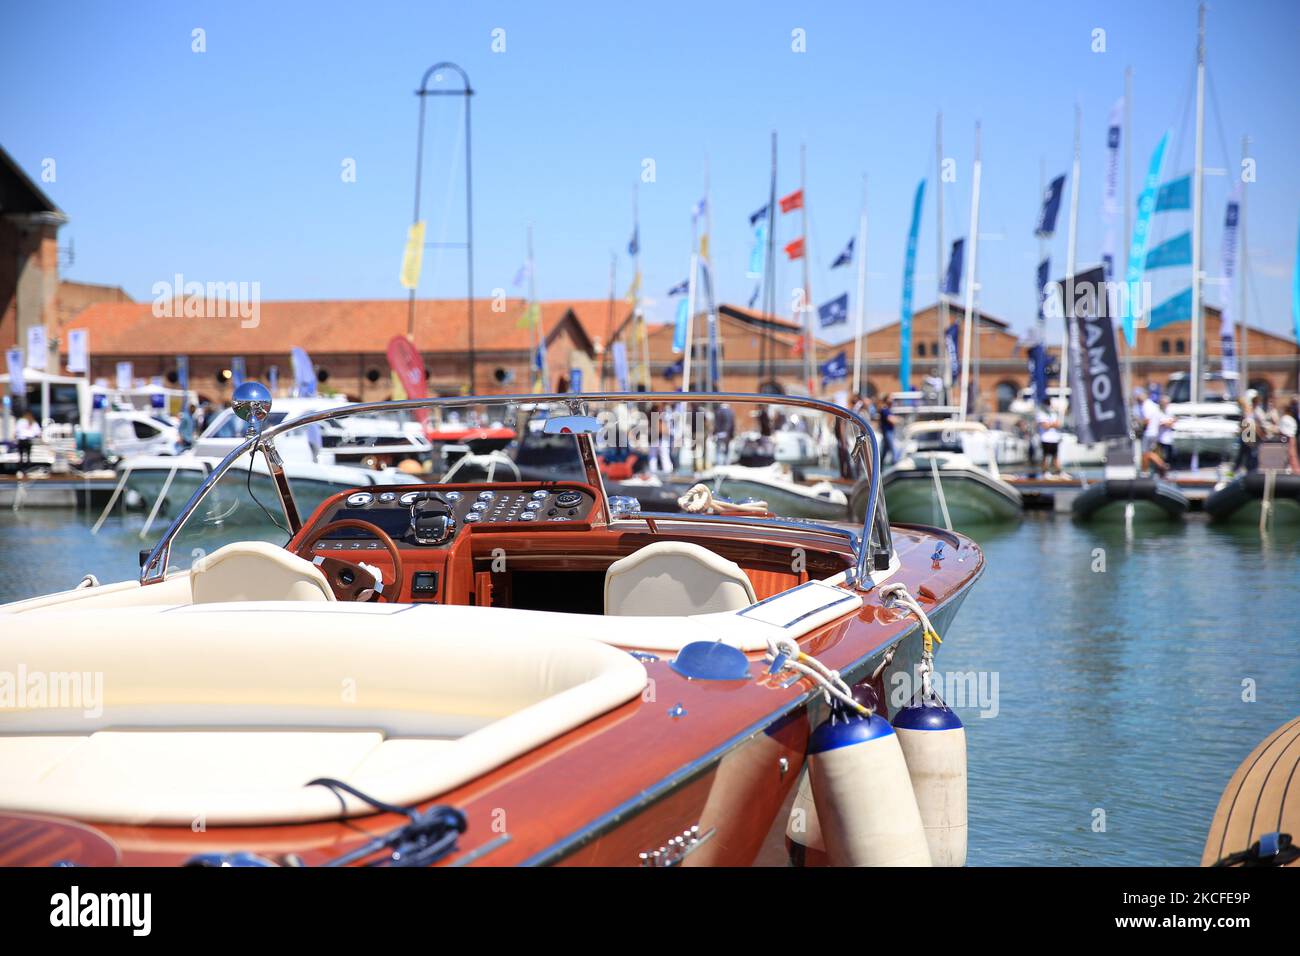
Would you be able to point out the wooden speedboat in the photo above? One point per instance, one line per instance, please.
(485, 673)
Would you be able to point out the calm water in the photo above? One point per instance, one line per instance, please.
(1118, 690)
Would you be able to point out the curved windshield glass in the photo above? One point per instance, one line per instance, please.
(773, 459)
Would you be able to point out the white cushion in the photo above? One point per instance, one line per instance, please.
(670, 578)
(256, 571)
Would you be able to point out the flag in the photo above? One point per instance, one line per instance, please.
(674, 369)
(845, 257)
(37, 348)
(1175, 194)
(753, 299)
(125, 375)
(1173, 252)
(1137, 252)
(1039, 333)
(957, 258)
(835, 368)
(793, 201)
(758, 254)
(78, 350)
(1099, 406)
(1110, 197)
(530, 317)
(1295, 293)
(954, 357)
(413, 255)
(756, 216)
(1177, 308)
(905, 319)
(700, 209)
(304, 375)
(1227, 332)
(634, 244)
(522, 275)
(634, 289)
(704, 247)
(794, 250)
(680, 324)
(621, 378)
(834, 312)
(575, 380)
(1051, 208)
(680, 288)
(1038, 372)
(238, 371)
(14, 362)
(273, 378)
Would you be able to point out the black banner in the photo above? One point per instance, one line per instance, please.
(1096, 386)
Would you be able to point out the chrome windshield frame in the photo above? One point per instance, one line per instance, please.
(873, 549)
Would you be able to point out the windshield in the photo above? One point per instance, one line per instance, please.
(786, 461)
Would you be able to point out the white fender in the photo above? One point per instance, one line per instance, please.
(865, 805)
(803, 832)
(934, 745)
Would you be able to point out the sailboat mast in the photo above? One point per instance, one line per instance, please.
(1198, 212)
(809, 359)
(765, 367)
(609, 319)
(1243, 347)
(1126, 136)
(691, 285)
(974, 234)
(859, 347)
(946, 373)
(1071, 250)
(542, 362)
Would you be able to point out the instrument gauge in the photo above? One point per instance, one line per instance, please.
(388, 496)
(360, 499)
(452, 496)
(410, 498)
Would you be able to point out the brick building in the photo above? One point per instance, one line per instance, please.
(29, 255)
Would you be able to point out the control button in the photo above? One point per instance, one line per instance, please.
(534, 505)
(479, 506)
(472, 517)
(553, 511)
(452, 496)
(539, 495)
(486, 496)
(573, 512)
(567, 499)
(388, 496)
(560, 518)
(360, 499)
(528, 516)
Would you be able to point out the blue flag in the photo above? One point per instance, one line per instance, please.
(845, 257)
(183, 372)
(753, 299)
(956, 259)
(680, 288)
(836, 368)
(1176, 308)
(758, 253)
(954, 358)
(834, 312)
(634, 244)
(1051, 208)
(1038, 372)
(238, 371)
(304, 375)
(1175, 194)
(1044, 275)
(1173, 252)
(905, 319)
(755, 217)
(679, 326)
(1137, 252)
(674, 369)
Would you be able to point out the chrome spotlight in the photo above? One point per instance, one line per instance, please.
(252, 403)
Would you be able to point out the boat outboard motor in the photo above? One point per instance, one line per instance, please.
(863, 793)
(934, 744)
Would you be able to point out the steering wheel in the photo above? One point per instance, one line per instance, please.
(346, 580)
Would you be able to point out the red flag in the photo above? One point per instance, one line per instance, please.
(792, 201)
(795, 249)
(404, 359)
(797, 348)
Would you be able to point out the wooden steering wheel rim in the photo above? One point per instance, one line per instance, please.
(341, 590)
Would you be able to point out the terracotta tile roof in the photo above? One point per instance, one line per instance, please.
(346, 326)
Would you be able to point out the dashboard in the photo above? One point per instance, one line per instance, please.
(418, 517)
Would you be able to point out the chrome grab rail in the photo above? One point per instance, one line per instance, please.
(875, 538)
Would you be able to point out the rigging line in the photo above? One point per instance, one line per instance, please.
(1218, 119)
(456, 151)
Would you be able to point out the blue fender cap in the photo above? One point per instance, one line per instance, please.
(711, 660)
(927, 717)
(842, 731)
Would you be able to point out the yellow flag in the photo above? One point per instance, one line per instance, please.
(704, 247)
(531, 316)
(413, 256)
(635, 288)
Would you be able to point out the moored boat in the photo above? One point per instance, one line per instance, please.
(483, 673)
(1244, 499)
(1145, 499)
(936, 483)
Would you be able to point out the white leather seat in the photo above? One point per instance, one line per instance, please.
(670, 578)
(256, 571)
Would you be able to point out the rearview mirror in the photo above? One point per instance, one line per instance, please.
(571, 425)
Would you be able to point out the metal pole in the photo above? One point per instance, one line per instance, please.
(968, 327)
(859, 346)
(1071, 250)
(1244, 349)
(939, 276)
(1198, 211)
(809, 354)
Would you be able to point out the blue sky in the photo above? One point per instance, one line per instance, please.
(225, 165)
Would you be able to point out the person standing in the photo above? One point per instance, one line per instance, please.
(1166, 433)
(1288, 426)
(1150, 415)
(26, 431)
(886, 414)
(1049, 440)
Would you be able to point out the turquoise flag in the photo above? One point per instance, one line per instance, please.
(1137, 252)
(1295, 293)
(1175, 194)
(1173, 252)
(905, 321)
(1178, 308)
(758, 253)
(679, 329)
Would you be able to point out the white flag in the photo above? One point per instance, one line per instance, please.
(14, 360)
(37, 349)
(125, 373)
(78, 350)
